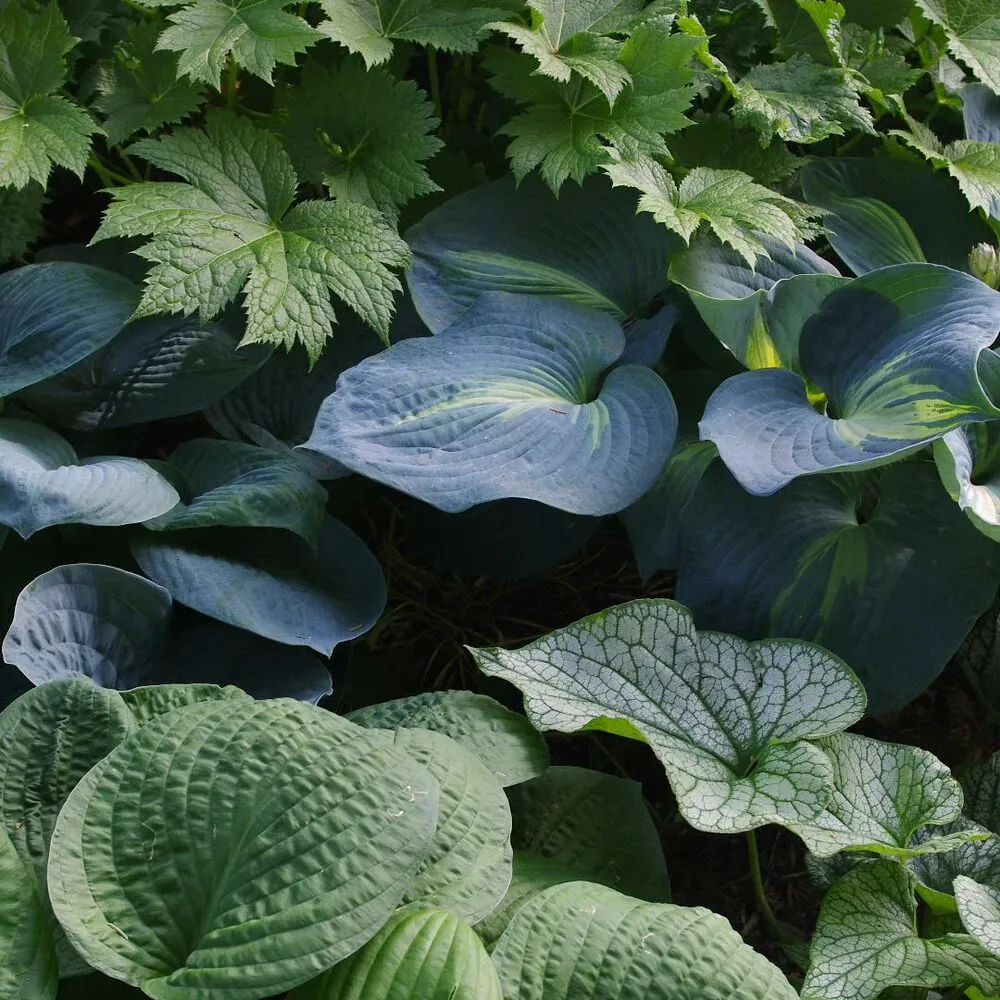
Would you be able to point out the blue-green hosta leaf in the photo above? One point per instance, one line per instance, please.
(43, 482)
(883, 794)
(87, 620)
(53, 315)
(40, 770)
(154, 369)
(973, 31)
(503, 740)
(981, 111)
(881, 568)
(756, 311)
(269, 583)
(895, 352)
(521, 238)
(420, 953)
(27, 961)
(865, 942)
(234, 848)
(876, 212)
(232, 229)
(583, 941)
(968, 460)
(154, 700)
(729, 720)
(467, 865)
(505, 403)
(979, 908)
(229, 484)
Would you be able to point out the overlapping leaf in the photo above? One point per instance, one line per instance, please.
(968, 460)
(973, 31)
(151, 701)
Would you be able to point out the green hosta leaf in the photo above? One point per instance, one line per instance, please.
(232, 229)
(147, 703)
(586, 942)
(268, 582)
(369, 27)
(27, 962)
(738, 211)
(86, 620)
(979, 908)
(420, 953)
(141, 88)
(467, 866)
(973, 31)
(362, 133)
(235, 485)
(883, 794)
(249, 844)
(896, 352)
(799, 101)
(53, 315)
(729, 720)
(865, 942)
(40, 770)
(39, 128)
(441, 417)
(21, 211)
(502, 740)
(876, 213)
(521, 238)
(882, 568)
(968, 460)
(43, 482)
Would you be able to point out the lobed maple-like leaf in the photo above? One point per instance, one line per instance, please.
(973, 31)
(232, 229)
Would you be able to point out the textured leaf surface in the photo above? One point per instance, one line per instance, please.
(55, 314)
(968, 460)
(981, 111)
(276, 841)
(275, 587)
(981, 783)
(154, 700)
(973, 31)
(865, 942)
(896, 354)
(502, 740)
(232, 229)
(881, 568)
(586, 942)
(425, 953)
(728, 720)
(87, 620)
(521, 238)
(43, 482)
(505, 403)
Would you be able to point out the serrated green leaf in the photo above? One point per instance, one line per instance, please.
(883, 794)
(806, 27)
(503, 740)
(740, 212)
(281, 844)
(866, 942)
(973, 31)
(799, 101)
(140, 87)
(232, 228)
(729, 720)
(21, 211)
(883, 65)
(151, 701)
(39, 128)
(360, 132)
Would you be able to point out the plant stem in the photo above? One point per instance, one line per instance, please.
(432, 71)
(775, 929)
(108, 177)
(232, 83)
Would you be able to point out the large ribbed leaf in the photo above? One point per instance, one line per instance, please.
(514, 400)
(882, 568)
(88, 620)
(522, 238)
(729, 720)
(420, 954)
(896, 353)
(503, 740)
(43, 482)
(148, 702)
(582, 941)
(269, 582)
(49, 738)
(232, 849)
(55, 314)
(968, 460)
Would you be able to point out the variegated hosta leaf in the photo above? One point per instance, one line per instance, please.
(233, 848)
(502, 740)
(729, 720)
(968, 460)
(979, 908)
(507, 402)
(582, 941)
(896, 352)
(866, 942)
(883, 794)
